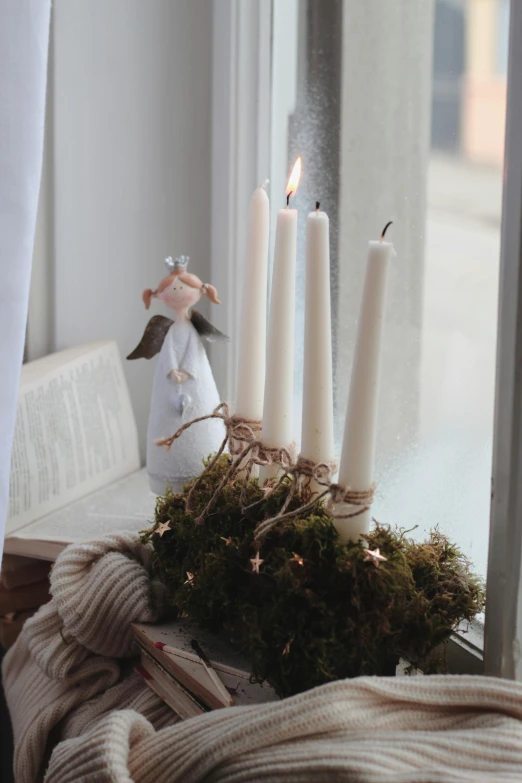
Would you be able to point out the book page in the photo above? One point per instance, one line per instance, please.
(125, 505)
(75, 431)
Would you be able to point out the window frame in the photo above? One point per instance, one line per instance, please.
(503, 627)
(241, 82)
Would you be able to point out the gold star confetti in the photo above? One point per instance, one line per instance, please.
(297, 559)
(162, 528)
(287, 646)
(190, 579)
(228, 540)
(374, 556)
(256, 562)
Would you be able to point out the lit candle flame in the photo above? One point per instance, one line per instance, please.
(295, 176)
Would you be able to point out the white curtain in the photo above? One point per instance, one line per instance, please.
(24, 39)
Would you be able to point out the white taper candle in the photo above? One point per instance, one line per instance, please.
(317, 435)
(358, 451)
(278, 406)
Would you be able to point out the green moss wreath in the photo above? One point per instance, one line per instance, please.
(317, 610)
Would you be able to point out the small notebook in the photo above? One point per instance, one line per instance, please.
(168, 688)
(186, 668)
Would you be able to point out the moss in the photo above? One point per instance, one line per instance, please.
(317, 611)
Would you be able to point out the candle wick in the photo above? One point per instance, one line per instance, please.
(385, 229)
(317, 205)
(290, 193)
(264, 183)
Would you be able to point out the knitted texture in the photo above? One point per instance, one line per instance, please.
(67, 667)
(393, 730)
(67, 678)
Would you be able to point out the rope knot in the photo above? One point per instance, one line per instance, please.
(283, 456)
(241, 431)
(360, 499)
(321, 472)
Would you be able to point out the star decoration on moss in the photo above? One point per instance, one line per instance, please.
(227, 540)
(374, 556)
(256, 562)
(432, 584)
(162, 528)
(286, 648)
(297, 559)
(190, 579)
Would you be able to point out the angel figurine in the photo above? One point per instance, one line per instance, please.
(184, 387)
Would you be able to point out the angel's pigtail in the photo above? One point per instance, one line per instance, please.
(211, 292)
(147, 296)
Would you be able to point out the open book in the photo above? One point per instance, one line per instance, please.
(75, 463)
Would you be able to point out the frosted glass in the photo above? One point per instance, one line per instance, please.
(434, 449)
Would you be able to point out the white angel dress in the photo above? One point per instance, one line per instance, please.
(173, 404)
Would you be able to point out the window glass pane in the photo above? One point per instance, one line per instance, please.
(399, 114)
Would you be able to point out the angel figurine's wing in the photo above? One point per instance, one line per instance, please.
(153, 337)
(205, 329)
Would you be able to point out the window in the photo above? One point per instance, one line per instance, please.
(369, 75)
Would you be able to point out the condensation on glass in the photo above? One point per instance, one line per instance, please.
(399, 114)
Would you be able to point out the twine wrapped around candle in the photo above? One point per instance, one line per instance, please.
(243, 443)
(321, 472)
(242, 438)
(362, 499)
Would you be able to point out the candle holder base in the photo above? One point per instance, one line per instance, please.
(306, 607)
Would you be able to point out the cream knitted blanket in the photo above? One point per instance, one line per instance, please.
(69, 683)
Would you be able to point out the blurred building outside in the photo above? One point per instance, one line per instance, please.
(446, 478)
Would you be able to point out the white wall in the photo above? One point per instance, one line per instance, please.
(132, 135)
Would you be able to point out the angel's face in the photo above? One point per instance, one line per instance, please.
(179, 296)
